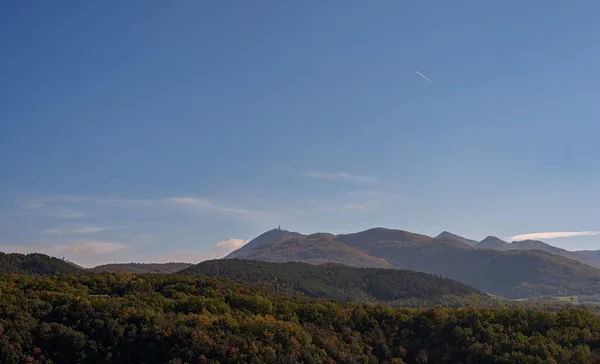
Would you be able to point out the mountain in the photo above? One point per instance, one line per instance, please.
(271, 236)
(380, 242)
(140, 268)
(492, 242)
(513, 273)
(540, 245)
(35, 264)
(590, 254)
(449, 235)
(337, 282)
(316, 249)
(510, 273)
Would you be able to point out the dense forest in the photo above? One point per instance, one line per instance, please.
(128, 318)
(394, 287)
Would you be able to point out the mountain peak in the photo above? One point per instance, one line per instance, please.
(493, 238)
(492, 242)
(448, 235)
(271, 236)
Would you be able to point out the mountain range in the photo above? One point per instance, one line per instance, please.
(515, 270)
(521, 269)
(590, 257)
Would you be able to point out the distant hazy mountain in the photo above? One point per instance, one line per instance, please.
(338, 282)
(510, 273)
(449, 235)
(156, 268)
(35, 264)
(591, 254)
(316, 249)
(492, 242)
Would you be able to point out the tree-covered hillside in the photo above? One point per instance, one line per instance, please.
(127, 318)
(338, 282)
(35, 264)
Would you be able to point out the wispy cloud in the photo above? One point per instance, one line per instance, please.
(75, 230)
(217, 251)
(206, 205)
(90, 247)
(426, 78)
(69, 206)
(44, 206)
(230, 245)
(553, 235)
(342, 176)
(185, 256)
(93, 200)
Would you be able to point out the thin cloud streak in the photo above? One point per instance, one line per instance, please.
(342, 176)
(189, 203)
(185, 256)
(206, 205)
(217, 251)
(426, 78)
(552, 235)
(75, 231)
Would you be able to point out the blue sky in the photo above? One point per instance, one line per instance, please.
(144, 130)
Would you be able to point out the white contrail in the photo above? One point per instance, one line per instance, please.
(425, 77)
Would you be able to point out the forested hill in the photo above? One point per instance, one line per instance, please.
(128, 318)
(336, 281)
(35, 264)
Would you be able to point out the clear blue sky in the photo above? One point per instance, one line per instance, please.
(145, 130)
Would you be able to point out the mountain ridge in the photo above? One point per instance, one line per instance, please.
(511, 273)
(449, 235)
(314, 248)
